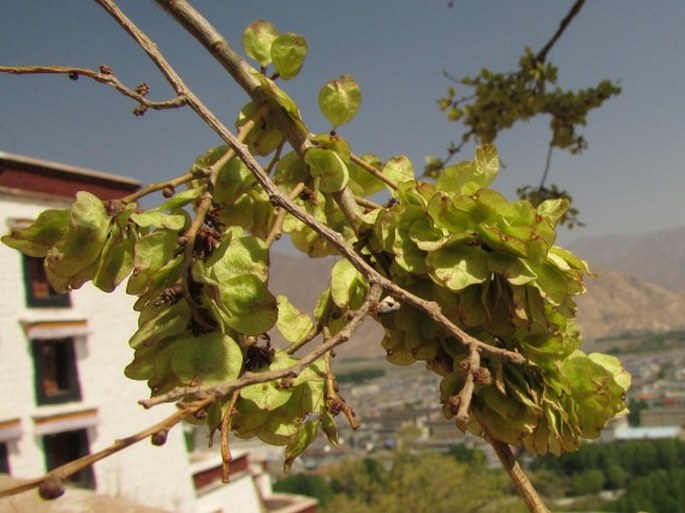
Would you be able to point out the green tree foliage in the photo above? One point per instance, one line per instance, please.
(464, 454)
(303, 484)
(361, 375)
(409, 484)
(620, 464)
(587, 482)
(660, 492)
(635, 406)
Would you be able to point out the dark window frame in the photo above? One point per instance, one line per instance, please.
(39, 293)
(4, 458)
(55, 371)
(61, 448)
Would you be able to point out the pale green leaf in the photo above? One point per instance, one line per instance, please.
(288, 52)
(257, 40)
(339, 100)
(293, 324)
(328, 167)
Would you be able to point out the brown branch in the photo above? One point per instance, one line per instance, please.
(465, 395)
(105, 76)
(335, 403)
(367, 203)
(154, 187)
(60, 473)
(278, 198)
(518, 477)
(375, 172)
(241, 72)
(225, 432)
(252, 378)
(575, 9)
(276, 229)
(548, 165)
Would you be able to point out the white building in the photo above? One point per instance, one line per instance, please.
(61, 371)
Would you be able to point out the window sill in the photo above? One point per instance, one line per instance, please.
(66, 417)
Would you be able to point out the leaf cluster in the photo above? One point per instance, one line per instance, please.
(199, 263)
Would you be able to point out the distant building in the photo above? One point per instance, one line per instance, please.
(662, 417)
(647, 433)
(61, 379)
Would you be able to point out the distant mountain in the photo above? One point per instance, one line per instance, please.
(639, 288)
(617, 304)
(657, 257)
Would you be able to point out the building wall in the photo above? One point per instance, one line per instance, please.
(100, 326)
(156, 476)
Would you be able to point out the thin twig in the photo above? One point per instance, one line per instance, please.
(375, 172)
(548, 164)
(277, 228)
(252, 378)
(518, 477)
(224, 435)
(334, 401)
(575, 9)
(154, 187)
(68, 469)
(105, 76)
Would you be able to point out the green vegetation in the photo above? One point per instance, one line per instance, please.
(360, 376)
(650, 472)
(660, 492)
(634, 466)
(646, 343)
(407, 483)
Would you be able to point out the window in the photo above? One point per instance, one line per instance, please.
(4, 459)
(67, 446)
(56, 375)
(38, 290)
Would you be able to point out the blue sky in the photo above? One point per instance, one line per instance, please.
(630, 180)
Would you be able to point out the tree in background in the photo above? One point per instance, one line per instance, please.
(458, 276)
(410, 484)
(501, 100)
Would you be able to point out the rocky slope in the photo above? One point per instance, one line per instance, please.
(617, 301)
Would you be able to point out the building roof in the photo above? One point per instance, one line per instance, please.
(650, 433)
(73, 500)
(20, 173)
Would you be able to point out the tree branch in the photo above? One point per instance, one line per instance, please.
(105, 76)
(575, 9)
(518, 477)
(252, 378)
(59, 474)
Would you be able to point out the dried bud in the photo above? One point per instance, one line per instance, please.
(168, 192)
(307, 194)
(387, 304)
(51, 488)
(73, 75)
(114, 207)
(142, 89)
(105, 70)
(159, 438)
(482, 376)
(140, 110)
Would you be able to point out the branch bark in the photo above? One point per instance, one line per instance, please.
(59, 474)
(575, 9)
(519, 478)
